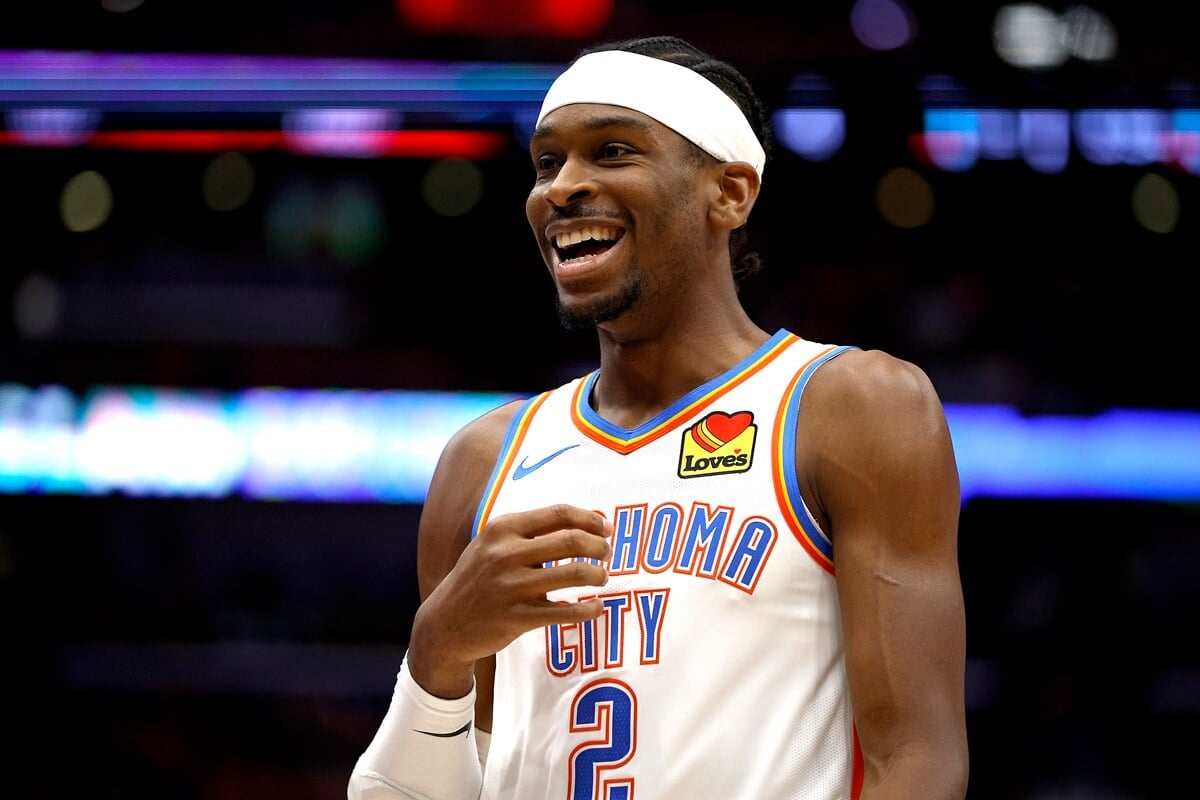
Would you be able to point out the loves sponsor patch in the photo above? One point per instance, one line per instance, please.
(718, 444)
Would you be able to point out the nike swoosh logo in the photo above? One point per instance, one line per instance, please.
(451, 735)
(521, 471)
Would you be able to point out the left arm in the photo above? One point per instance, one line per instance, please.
(883, 479)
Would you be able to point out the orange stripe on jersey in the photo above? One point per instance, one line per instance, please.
(779, 465)
(508, 456)
(628, 445)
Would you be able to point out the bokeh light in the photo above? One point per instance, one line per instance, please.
(357, 229)
(86, 202)
(228, 182)
(1155, 203)
(883, 24)
(904, 198)
(292, 219)
(452, 187)
(37, 307)
(1089, 35)
(1029, 36)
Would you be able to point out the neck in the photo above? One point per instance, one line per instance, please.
(640, 375)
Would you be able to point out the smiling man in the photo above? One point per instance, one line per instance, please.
(722, 565)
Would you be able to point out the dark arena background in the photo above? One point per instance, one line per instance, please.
(259, 259)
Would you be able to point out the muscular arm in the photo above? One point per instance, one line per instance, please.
(882, 475)
(444, 532)
(477, 595)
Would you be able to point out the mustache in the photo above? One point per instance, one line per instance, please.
(579, 212)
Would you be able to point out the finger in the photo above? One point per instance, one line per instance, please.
(548, 519)
(563, 576)
(560, 612)
(564, 545)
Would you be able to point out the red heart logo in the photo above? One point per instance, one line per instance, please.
(719, 428)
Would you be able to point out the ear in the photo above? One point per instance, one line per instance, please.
(736, 192)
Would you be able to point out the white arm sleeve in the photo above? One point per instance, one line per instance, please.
(425, 749)
(483, 741)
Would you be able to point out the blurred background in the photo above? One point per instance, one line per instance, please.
(260, 259)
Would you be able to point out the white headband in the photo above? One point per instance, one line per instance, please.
(683, 100)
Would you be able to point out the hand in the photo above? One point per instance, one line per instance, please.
(497, 591)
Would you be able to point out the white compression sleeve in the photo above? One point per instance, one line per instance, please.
(424, 749)
(483, 741)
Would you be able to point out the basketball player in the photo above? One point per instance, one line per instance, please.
(723, 566)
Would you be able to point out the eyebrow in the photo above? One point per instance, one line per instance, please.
(596, 124)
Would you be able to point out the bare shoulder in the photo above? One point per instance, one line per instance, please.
(874, 387)
(455, 491)
(875, 440)
(479, 439)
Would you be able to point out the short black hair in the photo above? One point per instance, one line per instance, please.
(729, 80)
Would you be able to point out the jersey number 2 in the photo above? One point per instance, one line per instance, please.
(607, 707)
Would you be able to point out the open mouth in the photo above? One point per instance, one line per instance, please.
(586, 242)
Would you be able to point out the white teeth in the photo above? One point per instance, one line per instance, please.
(600, 233)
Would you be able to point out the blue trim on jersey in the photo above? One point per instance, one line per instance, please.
(627, 434)
(493, 483)
(791, 481)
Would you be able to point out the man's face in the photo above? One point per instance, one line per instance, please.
(615, 208)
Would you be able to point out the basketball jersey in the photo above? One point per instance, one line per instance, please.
(716, 669)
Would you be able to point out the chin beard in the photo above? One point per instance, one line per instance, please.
(606, 309)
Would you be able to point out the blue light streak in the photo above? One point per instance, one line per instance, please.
(381, 446)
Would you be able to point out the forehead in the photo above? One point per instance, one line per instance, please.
(578, 118)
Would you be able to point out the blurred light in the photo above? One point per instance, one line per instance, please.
(1045, 138)
(813, 133)
(185, 141)
(228, 182)
(571, 19)
(1029, 36)
(441, 91)
(1155, 204)
(382, 446)
(955, 138)
(357, 132)
(1183, 143)
(38, 429)
(357, 229)
(1089, 35)
(293, 220)
(51, 127)
(1121, 453)
(182, 448)
(904, 198)
(37, 307)
(809, 122)
(883, 24)
(346, 222)
(394, 144)
(86, 202)
(998, 133)
(452, 187)
(950, 140)
(1122, 135)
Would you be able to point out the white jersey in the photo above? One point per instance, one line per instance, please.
(716, 670)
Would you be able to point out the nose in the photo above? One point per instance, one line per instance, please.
(573, 183)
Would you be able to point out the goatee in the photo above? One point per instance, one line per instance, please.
(600, 311)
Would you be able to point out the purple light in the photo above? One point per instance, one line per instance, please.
(883, 24)
(814, 133)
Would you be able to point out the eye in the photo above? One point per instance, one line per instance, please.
(615, 150)
(545, 163)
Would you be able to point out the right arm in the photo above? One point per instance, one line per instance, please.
(477, 595)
